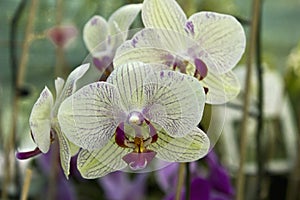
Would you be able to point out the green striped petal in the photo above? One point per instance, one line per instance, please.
(129, 80)
(221, 88)
(191, 147)
(222, 37)
(98, 163)
(173, 100)
(166, 14)
(90, 116)
(70, 86)
(40, 120)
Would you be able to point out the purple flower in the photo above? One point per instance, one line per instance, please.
(117, 185)
(213, 186)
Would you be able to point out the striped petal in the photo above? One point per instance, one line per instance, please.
(89, 117)
(146, 55)
(40, 120)
(166, 40)
(64, 152)
(221, 88)
(95, 31)
(222, 37)
(70, 85)
(128, 78)
(191, 147)
(166, 14)
(98, 163)
(122, 18)
(174, 101)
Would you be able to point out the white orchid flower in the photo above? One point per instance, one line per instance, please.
(207, 45)
(141, 112)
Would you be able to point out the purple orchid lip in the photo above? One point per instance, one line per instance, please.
(138, 161)
(201, 68)
(28, 154)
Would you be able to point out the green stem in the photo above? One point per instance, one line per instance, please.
(260, 108)
(180, 181)
(187, 181)
(243, 142)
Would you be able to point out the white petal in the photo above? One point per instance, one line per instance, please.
(40, 120)
(95, 31)
(173, 100)
(169, 40)
(89, 117)
(70, 85)
(221, 88)
(165, 14)
(222, 37)
(146, 55)
(59, 84)
(128, 79)
(64, 151)
(191, 147)
(98, 163)
(122, 18)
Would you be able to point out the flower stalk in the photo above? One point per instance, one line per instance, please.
(251, 54)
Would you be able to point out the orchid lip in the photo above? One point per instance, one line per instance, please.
(28, 154)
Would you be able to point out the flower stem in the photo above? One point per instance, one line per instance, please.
(187, 181)
(180, 181)
(10, 144)
(243, 141)
(26, 184)
(260, 107)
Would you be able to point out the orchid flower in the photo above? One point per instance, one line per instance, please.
(113, 32)
(136, 186)
(207, 45)
(208, 186)
(141, 112)
(62, 36)
(43, 120)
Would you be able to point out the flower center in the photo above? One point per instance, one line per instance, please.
(140, 155)
(136, 118)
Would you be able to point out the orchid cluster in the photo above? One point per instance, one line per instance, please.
(152, 101)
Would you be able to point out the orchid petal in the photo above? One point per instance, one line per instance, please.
(122, 18)
(70, 85)
(221, 88)
(165, 14)
(59, 84)
(64, 151)
(191, 147)
(161, 39)
(40, 120)
(89, 117)
(174, 101)
(95, 31)
(128, 78)
(222, 37)
(98, 163)
(146, 55)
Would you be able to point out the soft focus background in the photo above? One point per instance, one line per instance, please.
(39, 61)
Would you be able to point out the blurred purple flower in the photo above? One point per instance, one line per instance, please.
(64, 188)
(118, 185)
(214, 186)
(62, 36)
